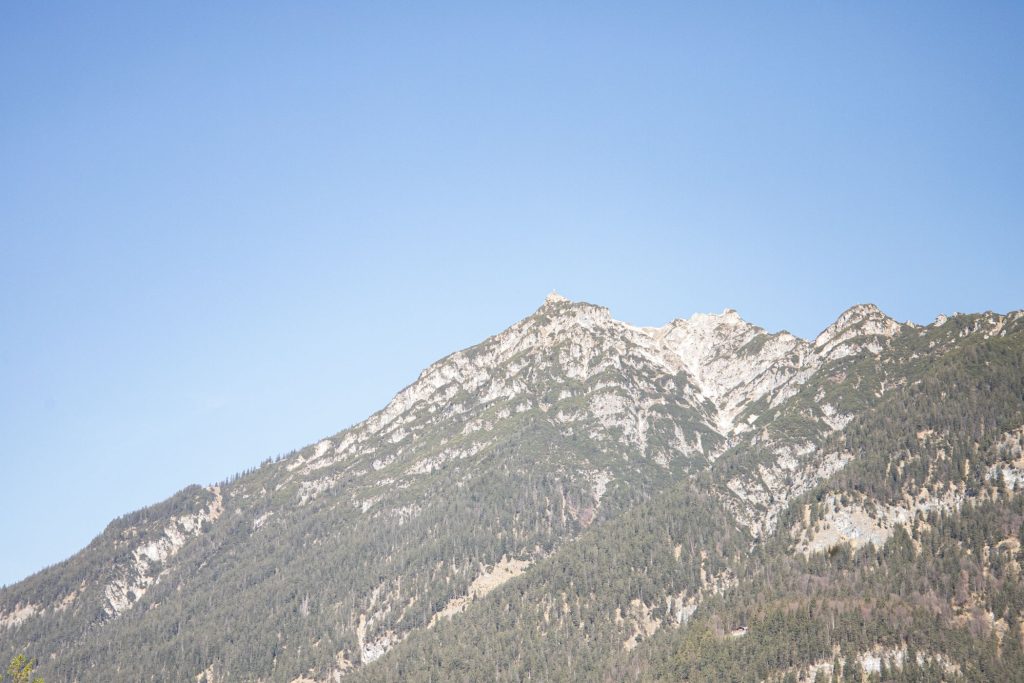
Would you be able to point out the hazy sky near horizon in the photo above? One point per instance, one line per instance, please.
(230, 229)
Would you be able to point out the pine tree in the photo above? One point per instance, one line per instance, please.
(20, 670)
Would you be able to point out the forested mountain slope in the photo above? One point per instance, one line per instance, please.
(576, 498)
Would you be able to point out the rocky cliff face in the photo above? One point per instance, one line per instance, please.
(499, 462)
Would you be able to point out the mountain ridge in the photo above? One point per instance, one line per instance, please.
(506, 460)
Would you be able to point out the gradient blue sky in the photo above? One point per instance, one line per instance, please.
(228, 229)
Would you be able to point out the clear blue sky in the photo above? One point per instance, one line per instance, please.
(228, 229)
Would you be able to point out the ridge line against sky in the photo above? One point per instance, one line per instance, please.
(226, 233)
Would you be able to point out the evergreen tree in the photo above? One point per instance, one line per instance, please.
(21, 669)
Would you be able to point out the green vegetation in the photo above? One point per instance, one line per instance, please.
(21, 670)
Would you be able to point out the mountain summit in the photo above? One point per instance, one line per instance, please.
(578, 498)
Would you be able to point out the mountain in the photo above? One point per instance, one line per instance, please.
(577, 498)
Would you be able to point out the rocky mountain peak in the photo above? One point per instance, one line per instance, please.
(704, 336)
(561, 311)
(729, 316)
(734, 362)
(555, 298)
(856, 321)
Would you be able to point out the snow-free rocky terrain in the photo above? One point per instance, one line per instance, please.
(577, 498)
